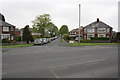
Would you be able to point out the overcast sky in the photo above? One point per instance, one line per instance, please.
(63, 12)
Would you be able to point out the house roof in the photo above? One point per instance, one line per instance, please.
(2, 23)
(98, 24)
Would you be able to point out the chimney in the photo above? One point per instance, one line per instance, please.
(2, 17)
(98, 20)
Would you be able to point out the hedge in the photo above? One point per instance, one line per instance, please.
(99, 38)
(6, 40)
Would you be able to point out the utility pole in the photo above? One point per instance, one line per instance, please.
(21, 36)
(79, 23)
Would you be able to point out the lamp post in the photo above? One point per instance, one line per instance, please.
(21, 36)
(79, 23)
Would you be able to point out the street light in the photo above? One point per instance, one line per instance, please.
(79, 23)
(21, 33)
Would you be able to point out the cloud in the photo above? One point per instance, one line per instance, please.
(22, 12)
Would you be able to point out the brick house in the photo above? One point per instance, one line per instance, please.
(17, 32)
(97, 29)
(6, 30)
(75, 32)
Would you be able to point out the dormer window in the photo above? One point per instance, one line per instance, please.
(5, 28)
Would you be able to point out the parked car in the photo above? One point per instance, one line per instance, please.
(56, 37)
(45, 40)
(38, 42)
(49, 40)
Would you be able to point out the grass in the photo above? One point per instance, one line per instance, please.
(88, 44)
(22, 45)
(62, 40)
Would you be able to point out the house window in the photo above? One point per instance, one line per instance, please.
(101, 30)
(85, 30)
(5, 28)
(108, 36)
(101, 35)
(90, 30)
(108, 30)
(11, 37)
(89, 36)
(3, 36)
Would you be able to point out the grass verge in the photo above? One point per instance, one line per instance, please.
(22, 45)
(62, 40)
(88, 44)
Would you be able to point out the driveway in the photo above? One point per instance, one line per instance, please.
(55, 61)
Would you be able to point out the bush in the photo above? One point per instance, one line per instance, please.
(99, 38)
(5, 40)
(65, 37)
(85, 41)
(72, 38)
(35, 37)
(18, 38)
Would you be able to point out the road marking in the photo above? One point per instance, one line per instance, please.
(79, 63)
(52, 71)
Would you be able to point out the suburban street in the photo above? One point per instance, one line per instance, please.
(54, 60)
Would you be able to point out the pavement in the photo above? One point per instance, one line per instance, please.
(54, 60)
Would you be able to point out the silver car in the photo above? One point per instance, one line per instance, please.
(38, 42)
(45, 40)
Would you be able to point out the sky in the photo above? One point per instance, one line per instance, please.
(63, 12)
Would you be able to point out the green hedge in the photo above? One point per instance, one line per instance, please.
(85, 41)
(18, 38)
(99, 38)
(72, 38)
(65, 36)
(6, 40)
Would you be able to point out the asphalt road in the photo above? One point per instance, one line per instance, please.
(56, 61)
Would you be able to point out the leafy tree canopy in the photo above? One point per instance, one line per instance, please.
(43, 25)
(64, 30)
(40, 23)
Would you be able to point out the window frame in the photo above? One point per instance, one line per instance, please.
(5, 29)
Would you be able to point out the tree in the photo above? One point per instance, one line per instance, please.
(27, 34)
(115, 37)
(40, 23)
(64, 30)
(53, 30)
(118, 36)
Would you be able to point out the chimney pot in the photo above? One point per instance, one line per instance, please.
(98, 20)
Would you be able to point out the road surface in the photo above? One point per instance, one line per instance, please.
(56, 61)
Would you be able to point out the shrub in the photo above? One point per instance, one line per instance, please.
(35, 37)
(85, 41)
(18, 38)
(99, 38)
(65, 37)
(72, 38)
(5, 40)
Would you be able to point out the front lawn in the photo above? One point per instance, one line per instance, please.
(22, 45)
(88, 44)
